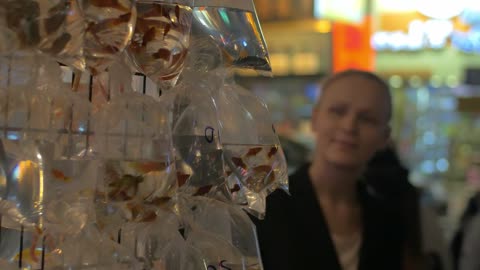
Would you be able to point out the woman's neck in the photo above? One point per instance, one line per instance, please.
(334, 183)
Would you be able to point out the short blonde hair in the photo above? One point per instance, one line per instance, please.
(370, 76)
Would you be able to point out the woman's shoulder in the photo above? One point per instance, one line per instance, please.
(299, 181)
(273, 231)
(276, 205)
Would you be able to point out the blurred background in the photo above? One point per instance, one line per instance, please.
(429, 53)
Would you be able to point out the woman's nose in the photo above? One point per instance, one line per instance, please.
(349, 123)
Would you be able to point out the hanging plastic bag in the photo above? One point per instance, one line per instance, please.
(251, 148)
(195, 133)
(161, 244)
(62, 130)
(226, 222)
(134, 141)
(158, 244)
(233, 26)
(161, 40)
(215, 251)
(91, 249)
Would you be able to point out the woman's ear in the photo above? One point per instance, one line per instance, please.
(387, 139)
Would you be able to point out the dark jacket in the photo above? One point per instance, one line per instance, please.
(294, 234)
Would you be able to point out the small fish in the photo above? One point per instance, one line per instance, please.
(163, 54)
(268, 171)
(146, 167)
(235, 188)
(158, 201)
(239, 162)
(108, 4)
(59, 175)
(177, 12)
(59, 44)
(253, 151)
(263, 168)
(182, 178)
(124, 188)
(96, 27)
(38, 230)
(148, 216)
(166, 30)
(29, 255)
(263, 177)
(272, 151)
(56, 17)
(148, 36)
(32, 254)
(203, 190)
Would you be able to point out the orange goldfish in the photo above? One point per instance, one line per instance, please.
(148, 36)
(239, 162)
(203, 190)
(166, 30)
(182, 178)
(235, 188)
(59, 175)
(262, 168)
(273, 151)
(253, 151)
(146, 167)
(163, 54)
(177, 11)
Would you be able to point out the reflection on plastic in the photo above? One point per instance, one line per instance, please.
(236, 30)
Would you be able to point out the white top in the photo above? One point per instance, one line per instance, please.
(348, 250)
(433, 240)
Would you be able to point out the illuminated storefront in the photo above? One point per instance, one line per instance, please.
(422, 52)
(429, 51)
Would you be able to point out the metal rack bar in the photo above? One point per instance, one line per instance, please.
(42, 263)
(20, 251)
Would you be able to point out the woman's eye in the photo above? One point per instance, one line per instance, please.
(368, 119)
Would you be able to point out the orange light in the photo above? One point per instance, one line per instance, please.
(351, 46)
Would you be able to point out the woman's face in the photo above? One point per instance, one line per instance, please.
(351, 122)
